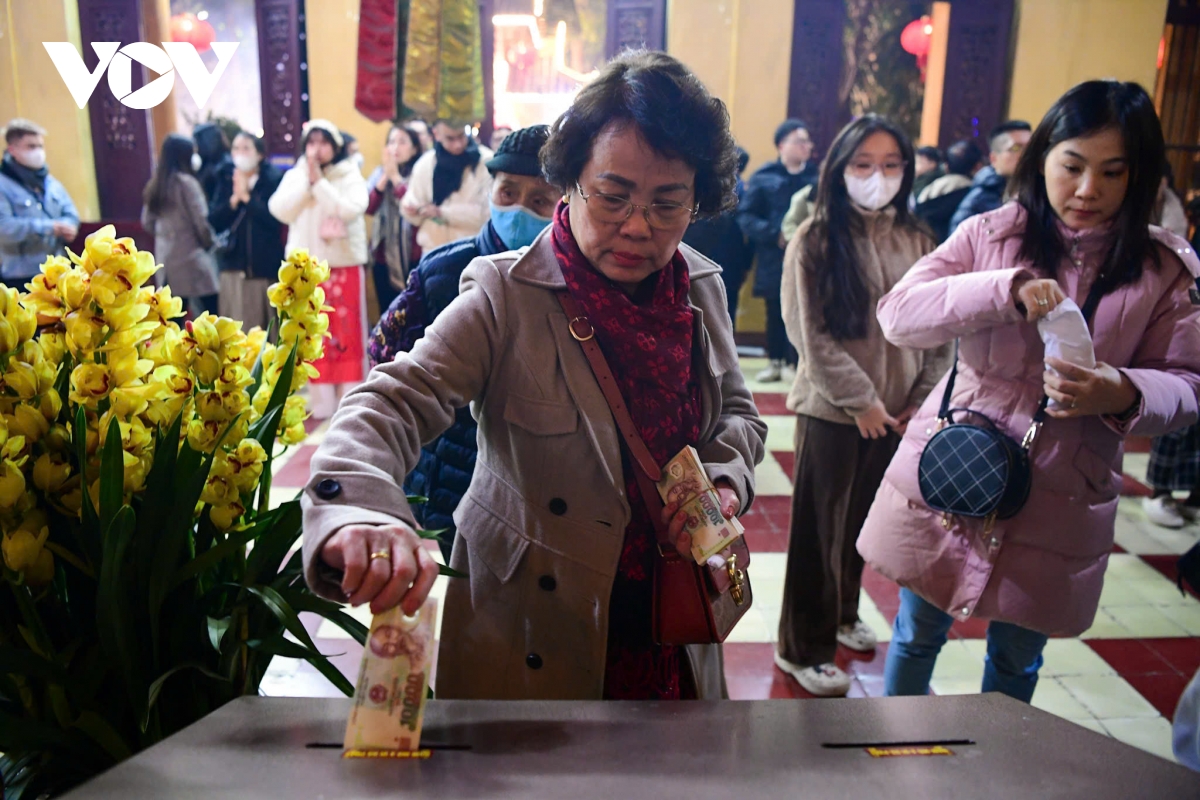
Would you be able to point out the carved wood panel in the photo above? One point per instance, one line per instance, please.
(635, 24)
(975, 90)
(816, 69)
(282, 64)
(121, 136)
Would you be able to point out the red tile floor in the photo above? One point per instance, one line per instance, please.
(1123, 677)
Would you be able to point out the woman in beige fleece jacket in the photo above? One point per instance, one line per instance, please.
(854, 392)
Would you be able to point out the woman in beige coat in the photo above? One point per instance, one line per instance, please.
(176, 212)
(559, 546)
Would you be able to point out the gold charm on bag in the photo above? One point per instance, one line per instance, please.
(737, 581)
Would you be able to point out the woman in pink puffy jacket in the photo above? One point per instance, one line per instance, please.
(1085, 187)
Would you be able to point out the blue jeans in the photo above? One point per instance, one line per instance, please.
(1014, 654)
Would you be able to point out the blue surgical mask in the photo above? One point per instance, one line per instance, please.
(517, 225)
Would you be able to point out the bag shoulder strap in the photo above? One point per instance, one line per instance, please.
(1095, 294)
(647, 470)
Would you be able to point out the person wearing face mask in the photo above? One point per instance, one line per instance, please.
(522, 203)
(175, 211)
(447, 197)
(37, 217)
(250, 242)
(1079, 229)
(322, 200)
(394, 245)
(854, 392)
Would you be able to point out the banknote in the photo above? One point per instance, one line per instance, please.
(683, 477)
(389, 699)
(711, 532)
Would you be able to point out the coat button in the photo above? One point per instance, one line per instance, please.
(533, 661)
(328, 489)
(547, 583)
(558, 506)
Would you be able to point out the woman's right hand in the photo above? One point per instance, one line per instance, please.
(875, 421)
(403, 578)
(1038, 296)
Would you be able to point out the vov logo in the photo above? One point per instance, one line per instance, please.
(179, 57)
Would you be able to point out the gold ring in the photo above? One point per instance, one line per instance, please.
(1043, 302)
(381, 554)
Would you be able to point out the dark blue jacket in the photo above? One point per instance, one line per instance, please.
(986, 194)
(444, 470)
(760, 215)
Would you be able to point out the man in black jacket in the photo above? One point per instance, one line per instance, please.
(522, 203)
(760, 215)
(1006, 142)
(941, 199)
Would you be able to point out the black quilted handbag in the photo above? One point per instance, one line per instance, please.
(977, 470)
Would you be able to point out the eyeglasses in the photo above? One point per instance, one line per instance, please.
(865, 169)
(1015, 148)
(614, 209)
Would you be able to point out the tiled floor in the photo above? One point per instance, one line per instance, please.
(1123, 677)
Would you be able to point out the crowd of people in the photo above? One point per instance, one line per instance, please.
(892, 275)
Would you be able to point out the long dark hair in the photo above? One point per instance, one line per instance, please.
(1083, 111)
(407, 167)
(841, 292)
(175, 157)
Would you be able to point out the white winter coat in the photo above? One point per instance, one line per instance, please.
(463, 212)
(301, 206)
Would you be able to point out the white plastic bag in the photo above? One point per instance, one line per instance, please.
(1066, 336)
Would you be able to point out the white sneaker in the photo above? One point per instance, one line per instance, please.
(825, 680)
(1163, 511)
(858, 637)
(772, 373)
(1189, 513)
(788, 374)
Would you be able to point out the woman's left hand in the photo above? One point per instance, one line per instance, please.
(675, 519)
(1083, 392)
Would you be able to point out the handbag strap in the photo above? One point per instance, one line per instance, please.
(1089, 309)
(647, 471)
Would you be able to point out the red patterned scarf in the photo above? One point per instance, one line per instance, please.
(647, 340)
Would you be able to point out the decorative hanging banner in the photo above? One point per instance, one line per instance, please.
(443, 69)
(381, 39)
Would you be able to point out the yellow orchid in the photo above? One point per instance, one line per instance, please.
(12, 484)
(224, 517)
(41, 571)
(118, 281)
(90, 383)
(21, 547)
(27, 421)
(75, 290)
(44, 298)
(85, 329)
(164, 306)
(50, 472)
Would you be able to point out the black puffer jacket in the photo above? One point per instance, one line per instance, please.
(256, 244)
(760, 215)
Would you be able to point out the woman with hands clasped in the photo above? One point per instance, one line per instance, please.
(853, 392)
(557, 540)
(1085, 187)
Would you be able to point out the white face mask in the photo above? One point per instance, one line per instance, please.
(875, 192)
(197, 162)
(245, 163)
(33, 159)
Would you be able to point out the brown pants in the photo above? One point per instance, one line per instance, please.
(837, 475)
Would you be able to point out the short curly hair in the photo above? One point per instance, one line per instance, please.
(671, 109)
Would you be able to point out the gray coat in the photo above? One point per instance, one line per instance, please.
(183, 239)
(548, 494)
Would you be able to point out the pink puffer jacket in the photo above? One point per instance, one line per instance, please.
(1042, 569)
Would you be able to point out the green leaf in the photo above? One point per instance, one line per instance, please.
(18, 661)
(278, 646)
(217, 629)
(157, 497)
(236, 541)
(274, 543)
(302, 600)
(284, 612)
(114, 615)
(156, 687)
(90, 528)
(112, 475)
(18, 734)
(451, 573)
(257, 373)
(432, 535)
(102, 733)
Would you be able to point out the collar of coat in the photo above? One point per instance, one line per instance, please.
(537, 265)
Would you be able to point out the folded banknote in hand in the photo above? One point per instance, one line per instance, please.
(684, 481)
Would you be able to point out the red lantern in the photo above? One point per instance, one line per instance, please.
(916, 36)
(197, 32)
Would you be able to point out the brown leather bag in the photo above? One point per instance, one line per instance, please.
(693, 604)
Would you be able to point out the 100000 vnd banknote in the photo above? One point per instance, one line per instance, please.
(683, 477)
(710, 531)
(389, 699)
